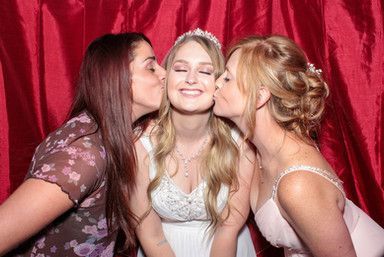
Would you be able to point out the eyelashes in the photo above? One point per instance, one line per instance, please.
(208, 73)
(180, 70)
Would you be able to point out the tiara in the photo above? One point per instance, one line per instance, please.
(311, 67)
(200, 33)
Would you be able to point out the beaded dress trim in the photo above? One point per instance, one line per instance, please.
(324, 173)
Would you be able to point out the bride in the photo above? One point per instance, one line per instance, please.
(193, 180)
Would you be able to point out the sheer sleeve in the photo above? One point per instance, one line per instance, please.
(73, 161)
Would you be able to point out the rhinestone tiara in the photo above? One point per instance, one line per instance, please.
(200, 33)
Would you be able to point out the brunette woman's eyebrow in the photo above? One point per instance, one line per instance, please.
(153, 58)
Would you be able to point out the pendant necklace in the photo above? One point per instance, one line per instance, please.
(187, 161)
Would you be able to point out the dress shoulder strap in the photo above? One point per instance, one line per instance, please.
(146, 141)
(324, 173)
(235, 134)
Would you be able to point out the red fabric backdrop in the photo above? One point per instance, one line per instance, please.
(42, 43)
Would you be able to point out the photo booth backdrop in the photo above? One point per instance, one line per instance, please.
(43, 41)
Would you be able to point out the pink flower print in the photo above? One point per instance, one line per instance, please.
(66, 170)
(84, 249)
(72, 120)
(83, 188)
(88, 202)
(74, 176)
(82, 131)
(102, 233)
(92, 163)
(71, 150)
(87, 156)
(52, 178)
(90, 230)
(46, 167)
(41, 243)
(39, 175)
(84, 119)
(53, 249)
(102, 153)
(62, 143)
(87, 144)
(71, 162)
(102, 223)
(98, 250)
(71, 135)
(108, 252)
(73, 243)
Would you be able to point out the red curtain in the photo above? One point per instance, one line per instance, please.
(42, 43)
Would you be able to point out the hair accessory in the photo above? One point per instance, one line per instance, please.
(200, 33)
(311, 67)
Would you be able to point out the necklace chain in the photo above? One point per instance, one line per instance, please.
(187, 161)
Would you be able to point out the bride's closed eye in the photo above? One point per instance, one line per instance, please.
(179, 68)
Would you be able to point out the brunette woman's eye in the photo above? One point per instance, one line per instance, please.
(226, 79)
(151, 67)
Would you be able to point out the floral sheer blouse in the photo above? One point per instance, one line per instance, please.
(73, 157)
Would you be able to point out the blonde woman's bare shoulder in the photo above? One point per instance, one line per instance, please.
(302, 188)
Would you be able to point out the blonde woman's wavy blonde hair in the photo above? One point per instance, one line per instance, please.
(220, 163)
(297, 93)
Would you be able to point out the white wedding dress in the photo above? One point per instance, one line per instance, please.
(184, 218)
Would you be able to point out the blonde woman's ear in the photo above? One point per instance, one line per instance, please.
(263, 97)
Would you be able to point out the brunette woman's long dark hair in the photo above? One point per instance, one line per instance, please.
(104, 91)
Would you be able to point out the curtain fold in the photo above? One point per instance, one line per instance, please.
(42, 43)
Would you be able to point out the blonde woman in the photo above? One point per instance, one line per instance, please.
(298, 200)
(193, 184)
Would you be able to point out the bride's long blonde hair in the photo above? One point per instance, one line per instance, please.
(220, 162)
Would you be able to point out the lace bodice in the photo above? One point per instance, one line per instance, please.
(171, 203)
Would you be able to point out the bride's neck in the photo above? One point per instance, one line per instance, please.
(191, 127)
